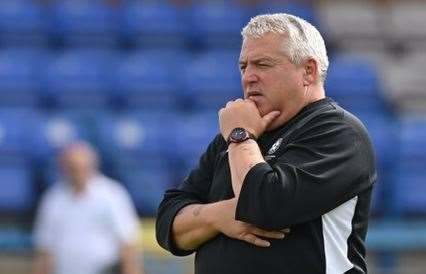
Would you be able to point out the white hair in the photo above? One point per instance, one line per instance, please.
(304, 40)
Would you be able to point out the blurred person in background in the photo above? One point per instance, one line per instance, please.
(286, 187)
(87, 223)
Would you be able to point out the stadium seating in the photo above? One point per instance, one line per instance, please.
(303, 10)
(150, 79)
(153, 24)
(84, 23)
(23, 23)
(19, 77)
(406, 23)
(348, 24)
(216, 24)
(196, 131)
(80, 78)
(354, 83)
(410, 170)
(17, 194)
(211, 79)
(16, 129)
(137, 135)
(404, 80)
(384, 132)
(147, 180)
(143, 81)
(52, 131)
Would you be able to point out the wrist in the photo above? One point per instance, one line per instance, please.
(213, 217)
(239, 135)
(209, 218)
(242, 144)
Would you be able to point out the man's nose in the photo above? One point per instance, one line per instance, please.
(249, 76)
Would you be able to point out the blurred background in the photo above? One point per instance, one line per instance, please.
(143, 80)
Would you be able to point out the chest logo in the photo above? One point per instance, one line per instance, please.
(275, 146)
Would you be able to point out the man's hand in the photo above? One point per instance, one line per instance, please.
(224, 221)
(244, 113)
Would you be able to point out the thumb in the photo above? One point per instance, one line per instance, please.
(268, 118)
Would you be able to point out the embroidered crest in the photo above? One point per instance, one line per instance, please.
(275, 146)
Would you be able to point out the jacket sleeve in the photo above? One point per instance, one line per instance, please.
(325, 165)
(194, 189)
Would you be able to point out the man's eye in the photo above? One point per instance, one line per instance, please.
(242, 68)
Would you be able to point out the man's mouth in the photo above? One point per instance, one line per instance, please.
(253, 94)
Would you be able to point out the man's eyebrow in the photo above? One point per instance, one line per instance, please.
(257, 60)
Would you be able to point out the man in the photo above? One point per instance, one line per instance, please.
(86, 224)
(289, 163)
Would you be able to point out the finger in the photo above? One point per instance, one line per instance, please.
(285, 230)
(268, 118)
(250, 101)
(239, 100)
(229, 103)
(268, 234)
(252, 239)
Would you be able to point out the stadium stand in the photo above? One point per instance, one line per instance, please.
(84, 23)
(211, 79)
(17, 195)
(23, 23)
(154, 24)
(215, 24)
(80, 78)
(150, 79)
(19, 77)
(195, 132)
(143, 80)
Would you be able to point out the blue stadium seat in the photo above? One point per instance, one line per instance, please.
(212, 79)
(353, 82)
(23, 23)
(80, 79)
(20, 77)
(146, 181)
(216, 24)
(16, 133)
(304, 11)
(53, 131)
(195, 133)
(383, 129)
(136, 135)
(153, 24)
(411, 166)
(150, 79)
(85, 23)
(411, 189)
(413, 138)
(17, 194)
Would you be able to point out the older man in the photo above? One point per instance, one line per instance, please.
(86, 224)
(286, 187)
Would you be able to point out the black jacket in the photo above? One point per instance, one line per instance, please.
(317, 181)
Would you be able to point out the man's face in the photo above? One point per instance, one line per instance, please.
(77, 166)
(270, 79)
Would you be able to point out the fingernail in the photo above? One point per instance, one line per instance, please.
(282, 235)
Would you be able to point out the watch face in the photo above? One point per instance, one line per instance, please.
(238, 134)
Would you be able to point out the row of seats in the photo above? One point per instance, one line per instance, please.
(201, 23)
(153, 78)
(138, 22)
(150, 151)
(355, 23)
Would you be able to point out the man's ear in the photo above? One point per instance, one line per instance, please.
(310, 75)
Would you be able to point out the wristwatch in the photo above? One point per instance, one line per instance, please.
(239, 135)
